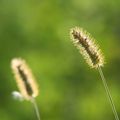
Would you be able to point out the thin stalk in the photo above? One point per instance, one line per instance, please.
(108, 93)
(35, 107)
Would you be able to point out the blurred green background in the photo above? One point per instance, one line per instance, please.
(38, 31)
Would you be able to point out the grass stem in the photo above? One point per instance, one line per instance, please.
(108, 93)
(35, 107)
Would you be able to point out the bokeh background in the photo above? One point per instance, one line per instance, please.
(38, 31)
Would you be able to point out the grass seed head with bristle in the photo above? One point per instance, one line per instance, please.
(24, 78)
(87, 47)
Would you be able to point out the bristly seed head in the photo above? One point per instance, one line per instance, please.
(25, 80)
(87, 47)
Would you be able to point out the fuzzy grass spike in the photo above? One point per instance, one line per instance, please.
(93, 55)
(25, 81)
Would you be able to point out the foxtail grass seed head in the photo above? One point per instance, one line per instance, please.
(87, 47)
(24, 78)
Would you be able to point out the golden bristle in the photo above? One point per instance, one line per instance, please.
(24, 78)
(87, 47)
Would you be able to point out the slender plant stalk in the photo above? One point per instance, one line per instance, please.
(108, 93)
(35, 107)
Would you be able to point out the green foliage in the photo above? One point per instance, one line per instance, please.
(38, 31)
